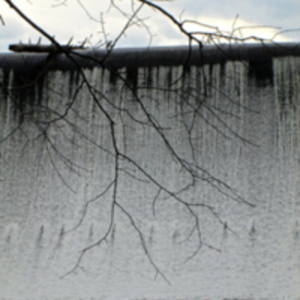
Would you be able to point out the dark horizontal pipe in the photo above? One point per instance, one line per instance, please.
(148, 57)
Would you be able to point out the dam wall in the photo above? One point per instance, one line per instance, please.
(164, 173)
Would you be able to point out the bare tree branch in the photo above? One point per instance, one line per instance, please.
(196, 106)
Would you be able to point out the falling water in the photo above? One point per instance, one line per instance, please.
(57, 160)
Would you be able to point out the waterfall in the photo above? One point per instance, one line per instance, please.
(77, 223)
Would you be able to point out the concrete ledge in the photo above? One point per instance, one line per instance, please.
(148, 57)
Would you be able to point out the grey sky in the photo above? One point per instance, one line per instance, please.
(71, 20)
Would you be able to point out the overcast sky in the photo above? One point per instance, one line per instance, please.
(65, 21)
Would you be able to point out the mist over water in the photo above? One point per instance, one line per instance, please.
(245, 135)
